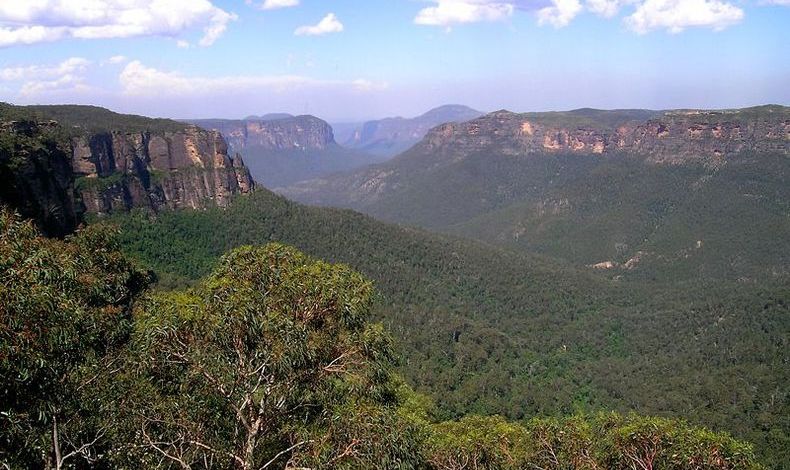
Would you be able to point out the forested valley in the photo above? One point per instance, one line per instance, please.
(269, 361)
(489, 331)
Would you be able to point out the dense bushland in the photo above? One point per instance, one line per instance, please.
(269, 362)
(488, 331)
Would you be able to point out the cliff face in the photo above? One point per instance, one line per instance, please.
(56, 173)
(118, 171)
(672, 137)
(36, 177)
(282, 133)
(635, 193)
(483, 145)
(282, 150)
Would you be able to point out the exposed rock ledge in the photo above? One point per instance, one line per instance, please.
(118, 171)
(55, 173)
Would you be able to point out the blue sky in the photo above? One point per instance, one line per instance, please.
(349, 60)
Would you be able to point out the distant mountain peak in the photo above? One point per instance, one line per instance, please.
(502, 112)
(452, 109)
(390, 136)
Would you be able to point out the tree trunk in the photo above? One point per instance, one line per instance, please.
(56, 443)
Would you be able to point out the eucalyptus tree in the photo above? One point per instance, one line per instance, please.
(64, 310)
(269, 363)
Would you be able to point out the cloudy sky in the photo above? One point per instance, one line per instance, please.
(359, 59)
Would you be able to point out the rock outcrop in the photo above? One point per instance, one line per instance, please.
(56, 173)
(36, 178)
(118, 171)
(282, 132)
(281, 149)
(707, 138)
(671, 137)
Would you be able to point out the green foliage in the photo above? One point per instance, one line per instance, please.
(63, 307)
(271, 359)
(604, 441)
(270, 362)
(80, 120)
(483, 330)
(675, 222)
(477, 442)
(98, 183)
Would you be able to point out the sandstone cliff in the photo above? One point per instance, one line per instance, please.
(36, 177)
(281, 132)
(707, 138)
(281, 150)
(671, 137)
(55, 173)
(192, 168)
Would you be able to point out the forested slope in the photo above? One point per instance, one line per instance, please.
(487, 330)
(654, 195)
(269, 362)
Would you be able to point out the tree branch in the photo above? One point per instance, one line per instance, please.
(280, 454)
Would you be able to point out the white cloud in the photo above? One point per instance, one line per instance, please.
(676, 15)
(69, 76)
(606, 8)
(329, 24)
(448, 12)
(66, 83)
(29, 34)
(362, 84)
(35, 21)
(117, 59)
(646, 15)
(71, 66)
(137, 79)
(560, 13)
(275, 4)
(217, 26)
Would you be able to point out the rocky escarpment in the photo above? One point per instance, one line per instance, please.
(281, 150)
(191, 168)
(679, 137)
(640, 193)
(669, 137)
(55, 173)
(278, 133)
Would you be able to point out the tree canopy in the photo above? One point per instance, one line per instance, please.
(64, 315)
(271, 361)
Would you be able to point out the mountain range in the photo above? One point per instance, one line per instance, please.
(628, 193)
(628, 260)
(281, 149)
